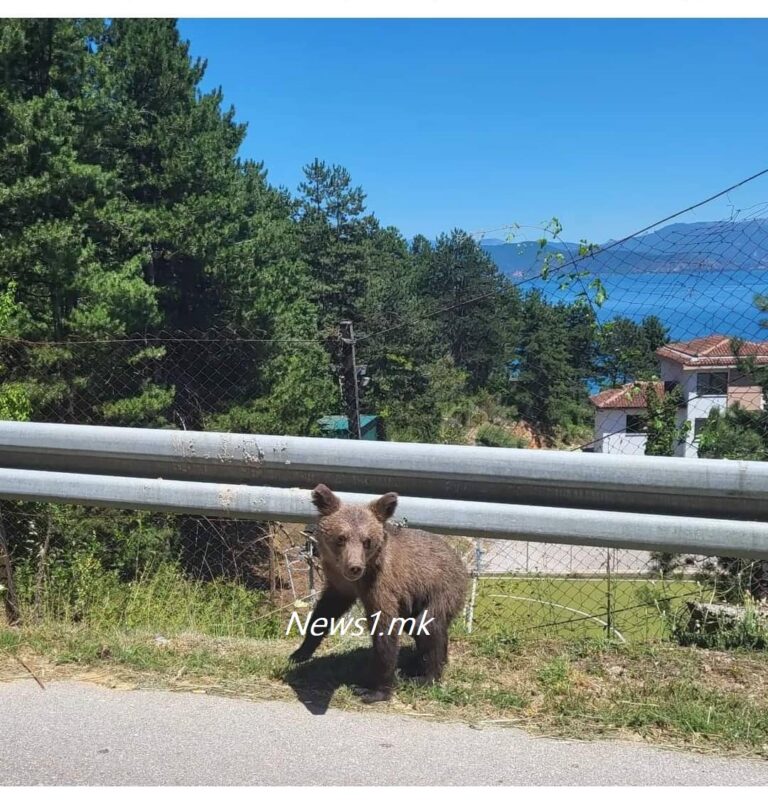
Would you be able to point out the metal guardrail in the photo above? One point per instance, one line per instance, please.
(701, 488)
(471, 518)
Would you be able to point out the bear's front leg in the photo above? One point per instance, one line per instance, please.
(332, 604)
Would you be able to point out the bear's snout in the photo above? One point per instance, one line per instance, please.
(355, 571)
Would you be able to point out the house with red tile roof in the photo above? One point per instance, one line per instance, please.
(710, 374)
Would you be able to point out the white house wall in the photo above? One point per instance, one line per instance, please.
(611, 434)
(671, 371)
(698, 407)
(610, 424)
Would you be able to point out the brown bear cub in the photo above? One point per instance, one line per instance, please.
(396, 574)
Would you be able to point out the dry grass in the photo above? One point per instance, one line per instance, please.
(705, 700)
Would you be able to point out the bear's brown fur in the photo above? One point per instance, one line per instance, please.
(403, 573)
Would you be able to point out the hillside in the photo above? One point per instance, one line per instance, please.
(677, 248)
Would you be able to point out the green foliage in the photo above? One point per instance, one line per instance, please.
(735, 434)
(144, 409)
(552, 362)
(335, 238)
(664, 433)
(490, 435)
(124, 207)
(555, 676)
(750, 631)
(161, 601)
(14, 402)
(627, 350)
(568, 268)
(127, 212)
(497, 646)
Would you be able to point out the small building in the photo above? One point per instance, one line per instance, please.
(619, 424)
(371, 427)
(707, 372)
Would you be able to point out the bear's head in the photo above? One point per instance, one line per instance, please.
(351, 536)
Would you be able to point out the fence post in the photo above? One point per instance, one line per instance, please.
(12, 612)
(311, 561)
(473, 594)
(527, 556)
(42, 567)
(272, 573)
(609, 594)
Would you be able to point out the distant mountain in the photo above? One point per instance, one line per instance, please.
(677, 248)
(523, 259)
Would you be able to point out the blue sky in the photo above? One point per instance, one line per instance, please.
(607, 124)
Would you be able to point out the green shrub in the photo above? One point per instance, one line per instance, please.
(497, 437)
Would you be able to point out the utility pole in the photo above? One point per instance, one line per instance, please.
(349, 379)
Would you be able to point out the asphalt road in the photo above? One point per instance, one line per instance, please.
(75, 733)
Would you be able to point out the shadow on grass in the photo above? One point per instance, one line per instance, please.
(316, 681)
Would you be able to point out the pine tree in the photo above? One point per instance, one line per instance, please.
(334, 240)
(547, 383)
(626, 351)
(464, 288)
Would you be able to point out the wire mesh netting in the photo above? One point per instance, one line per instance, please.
(535, 589)
(677, 362)
(132, 569)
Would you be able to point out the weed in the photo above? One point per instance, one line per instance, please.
(554, 676)
(496, 436)
(499, 646)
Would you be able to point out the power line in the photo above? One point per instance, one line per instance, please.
(153, 339)
(573, 261)
(658, 222)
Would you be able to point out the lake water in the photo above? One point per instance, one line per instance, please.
(691, 304)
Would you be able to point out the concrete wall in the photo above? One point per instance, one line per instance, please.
(670, 371)
(610, 426)
(696, 407)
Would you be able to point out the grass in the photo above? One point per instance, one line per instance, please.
(162, 599)
(577, 607)
(90, 625)
(660, 693)
(167, 601)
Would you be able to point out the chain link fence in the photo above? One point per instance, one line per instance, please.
(623, 594)
(156, 571)
(703, 390)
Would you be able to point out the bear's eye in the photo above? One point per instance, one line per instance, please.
(341, 540)
(367, 543)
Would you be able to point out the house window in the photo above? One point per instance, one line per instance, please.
(636, 424)
(698, 427)
(711, 383)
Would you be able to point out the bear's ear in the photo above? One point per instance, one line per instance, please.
(326, 501)
(384, 508)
